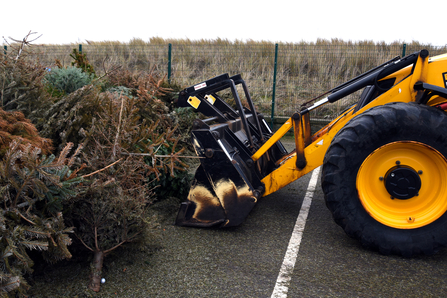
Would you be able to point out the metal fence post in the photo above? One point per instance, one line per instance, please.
(404, 47)
(169, 62)
(274, 85)
(80, 49)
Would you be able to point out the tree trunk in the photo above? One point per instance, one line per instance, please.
(95, 282)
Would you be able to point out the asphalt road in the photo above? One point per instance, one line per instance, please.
(245, 261)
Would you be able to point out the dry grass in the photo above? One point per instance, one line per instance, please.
(304, 70)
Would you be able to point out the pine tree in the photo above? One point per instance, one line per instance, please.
(121, 154)
(32, 189)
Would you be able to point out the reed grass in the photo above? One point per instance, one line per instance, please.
(304, 70)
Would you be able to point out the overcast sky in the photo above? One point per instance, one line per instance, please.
(62, 22)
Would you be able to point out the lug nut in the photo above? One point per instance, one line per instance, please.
(249, 162)
(209, 152)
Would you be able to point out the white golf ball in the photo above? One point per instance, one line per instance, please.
(103, 280)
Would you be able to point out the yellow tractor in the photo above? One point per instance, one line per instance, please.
(384, 167)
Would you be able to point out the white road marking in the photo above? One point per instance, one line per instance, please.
(285, 273)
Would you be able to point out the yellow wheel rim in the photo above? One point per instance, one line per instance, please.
(428, 202)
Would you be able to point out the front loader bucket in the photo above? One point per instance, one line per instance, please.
(217, 200)
(227, 184)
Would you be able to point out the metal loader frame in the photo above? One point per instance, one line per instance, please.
(239, 148)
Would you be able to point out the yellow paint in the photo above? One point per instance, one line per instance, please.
(428, 71)
(411, 213)
(275, 138)
(211, 99)
(194, 102)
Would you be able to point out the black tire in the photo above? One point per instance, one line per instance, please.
(379, 126)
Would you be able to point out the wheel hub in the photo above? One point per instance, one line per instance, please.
(403, 183)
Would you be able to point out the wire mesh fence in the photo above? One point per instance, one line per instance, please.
(303, 71)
